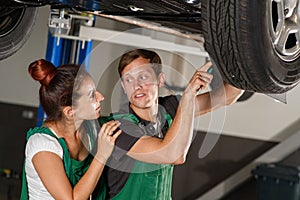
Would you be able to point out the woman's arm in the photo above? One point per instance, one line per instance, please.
(50, 168)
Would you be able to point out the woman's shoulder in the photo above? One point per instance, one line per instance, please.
(42, 142)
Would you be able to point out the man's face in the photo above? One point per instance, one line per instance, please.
(140, 83)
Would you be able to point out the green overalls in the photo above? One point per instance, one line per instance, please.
(74, 169)
(146, 181)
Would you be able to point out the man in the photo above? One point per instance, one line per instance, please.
(157, 131)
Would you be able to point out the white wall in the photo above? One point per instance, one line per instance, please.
(260, 117)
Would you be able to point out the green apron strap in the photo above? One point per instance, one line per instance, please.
(169, 119)
(131, 117)
(24, 191)
(115, 116)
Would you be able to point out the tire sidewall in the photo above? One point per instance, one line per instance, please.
(12, 42)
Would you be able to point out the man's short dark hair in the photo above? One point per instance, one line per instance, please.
(130, 56)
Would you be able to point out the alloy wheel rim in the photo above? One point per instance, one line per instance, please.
(284, 28)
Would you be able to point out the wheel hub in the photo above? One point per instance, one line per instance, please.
(284, 28)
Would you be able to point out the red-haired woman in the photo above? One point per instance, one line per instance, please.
(62, 158)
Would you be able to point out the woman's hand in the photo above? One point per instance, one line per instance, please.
(200, 80)
(106, 139)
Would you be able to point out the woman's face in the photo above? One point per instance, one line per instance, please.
(140, 83)
(88, 104)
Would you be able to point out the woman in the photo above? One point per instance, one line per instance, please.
(58, 159)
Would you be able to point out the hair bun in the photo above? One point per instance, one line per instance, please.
(42, 71)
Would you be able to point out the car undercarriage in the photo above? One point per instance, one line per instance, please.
(253, 43)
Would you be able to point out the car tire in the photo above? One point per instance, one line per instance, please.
(245, 96)
(15, 28)
(240, 37)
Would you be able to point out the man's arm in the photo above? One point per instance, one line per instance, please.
(223, 96)
(174, 146)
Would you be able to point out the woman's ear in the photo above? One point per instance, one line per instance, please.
(161, 79)
(68, 112)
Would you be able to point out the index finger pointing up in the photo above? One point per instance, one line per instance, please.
(205, 67)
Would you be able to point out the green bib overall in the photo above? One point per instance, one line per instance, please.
(146, 181)
(74, 169)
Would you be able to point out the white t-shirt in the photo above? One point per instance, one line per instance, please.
(37, 143)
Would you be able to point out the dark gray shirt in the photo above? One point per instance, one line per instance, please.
(120, 165)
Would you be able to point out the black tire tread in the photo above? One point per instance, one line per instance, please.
(222, 36)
